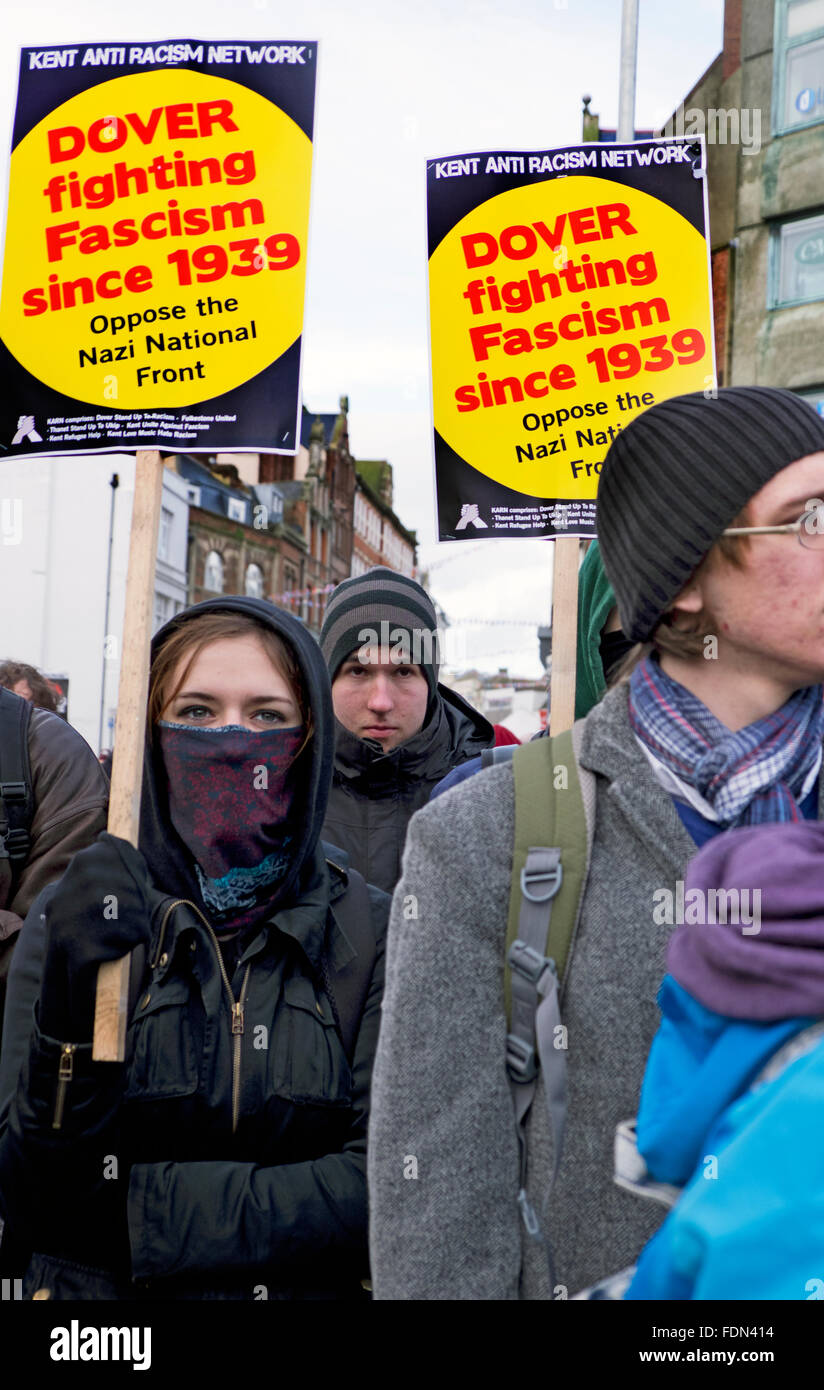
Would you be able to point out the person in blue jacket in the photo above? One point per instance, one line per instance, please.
(733, 1093)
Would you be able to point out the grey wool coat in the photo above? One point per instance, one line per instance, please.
(443, 1157)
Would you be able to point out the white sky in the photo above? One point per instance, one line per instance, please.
(400, 83)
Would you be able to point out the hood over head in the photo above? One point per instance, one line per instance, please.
(737, 989)
(753, 946)
(170, 862)
(596, 601)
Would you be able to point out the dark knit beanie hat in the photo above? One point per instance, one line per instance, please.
(678, 475)
(381, 597)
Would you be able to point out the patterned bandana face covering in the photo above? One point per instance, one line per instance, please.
(230, 795)
(749, 777)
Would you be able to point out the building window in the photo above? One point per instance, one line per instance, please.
(193, 495)
(254, 581)
(236, 509)
(163, 611)
(798, 262)
(164, 535)
(213, 573)
(799, 64)
(289, 597)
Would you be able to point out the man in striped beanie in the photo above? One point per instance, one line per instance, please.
(398, 730)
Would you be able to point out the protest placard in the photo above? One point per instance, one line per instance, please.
(569, 290)
(155, 257)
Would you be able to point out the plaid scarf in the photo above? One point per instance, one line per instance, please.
(748, 777)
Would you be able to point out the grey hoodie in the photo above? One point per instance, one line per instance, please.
(443, 1161)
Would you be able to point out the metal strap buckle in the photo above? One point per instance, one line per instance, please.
(521, 1060)
(551, 877)
(16, 844)
(13, 791)
(529, 962)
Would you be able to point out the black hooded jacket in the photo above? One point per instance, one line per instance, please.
(375, 793)
(238, 1120)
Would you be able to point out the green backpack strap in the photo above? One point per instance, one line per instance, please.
(549, 811)
(549, 868)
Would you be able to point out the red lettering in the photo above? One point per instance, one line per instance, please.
(582, 223)
(562, 377)
(614, 215)
(531, 384)
(211, 113)
(56, 137)
(60, 236)
(178, 123)
(107, 134)
(488, 252)
(145, 133)
(483, 336)
(138, 278)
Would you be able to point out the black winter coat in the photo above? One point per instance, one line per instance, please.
(374, 793)
(238, 1123)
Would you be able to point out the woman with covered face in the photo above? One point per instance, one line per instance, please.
(226, 1156)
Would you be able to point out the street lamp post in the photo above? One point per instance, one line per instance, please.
(629, 60)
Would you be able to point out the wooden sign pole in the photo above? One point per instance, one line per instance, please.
(127, 764)
(564, 634)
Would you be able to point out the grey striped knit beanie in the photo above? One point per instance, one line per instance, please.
(381, 597)
(678, 475)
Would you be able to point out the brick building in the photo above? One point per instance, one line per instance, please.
(380, 538)
(233, 531)
(761, 103)
(320, 486)
(283, 526)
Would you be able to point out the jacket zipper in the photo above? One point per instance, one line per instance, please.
(236, 1005)
(237, 1032)
(65, 1072)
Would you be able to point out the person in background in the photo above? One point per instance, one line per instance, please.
(238, 1119)
(399, 731)
(53, 802)
(602, 646)
(27, 681)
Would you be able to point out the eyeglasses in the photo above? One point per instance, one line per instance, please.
(809, 528)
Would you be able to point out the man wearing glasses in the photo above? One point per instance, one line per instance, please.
(711, 530)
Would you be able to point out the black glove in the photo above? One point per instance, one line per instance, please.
(99, 911)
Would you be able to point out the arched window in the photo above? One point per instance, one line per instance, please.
(213, 573)
(254, 581)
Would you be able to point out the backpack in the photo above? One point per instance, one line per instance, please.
(16, 792)
(554, 827)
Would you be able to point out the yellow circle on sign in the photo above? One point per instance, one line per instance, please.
(137, 209)
(561, 297)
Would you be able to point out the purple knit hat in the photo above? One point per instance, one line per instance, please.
(772, 968)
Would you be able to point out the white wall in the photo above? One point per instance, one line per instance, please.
(53, 572)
